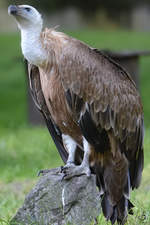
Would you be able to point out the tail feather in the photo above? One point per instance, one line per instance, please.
(113, 218)
(115, 187)
(118, 212)
(106, 207)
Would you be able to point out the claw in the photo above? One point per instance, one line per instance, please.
(61, 169)
(70, 171)
(63, 176)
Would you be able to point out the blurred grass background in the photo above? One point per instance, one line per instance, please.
(24, 150)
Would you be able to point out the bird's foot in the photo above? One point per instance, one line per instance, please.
(71, 170)
(52, 171)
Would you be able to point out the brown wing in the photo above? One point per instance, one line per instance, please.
(36, 91)
(101, 94)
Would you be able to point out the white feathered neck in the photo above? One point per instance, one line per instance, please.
(31, 45)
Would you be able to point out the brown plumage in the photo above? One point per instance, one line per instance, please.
(83, 93)
(109, 95)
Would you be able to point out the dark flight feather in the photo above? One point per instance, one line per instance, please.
(35, 87)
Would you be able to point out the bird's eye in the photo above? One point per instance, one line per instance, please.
(27, 9)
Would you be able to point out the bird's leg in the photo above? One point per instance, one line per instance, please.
(71, 146)
(73, 170)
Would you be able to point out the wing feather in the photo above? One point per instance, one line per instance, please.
(100, 91)
(112, 98)
(37, 95)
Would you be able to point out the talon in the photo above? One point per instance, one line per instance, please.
(70, 171)
(63, 176)
(65, 169)
(61, 169)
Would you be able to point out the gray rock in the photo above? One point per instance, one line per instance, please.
(56, 202)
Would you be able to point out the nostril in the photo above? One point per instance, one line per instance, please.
(12, 9)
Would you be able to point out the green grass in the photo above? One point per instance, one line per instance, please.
(24, 150)
(12, 83)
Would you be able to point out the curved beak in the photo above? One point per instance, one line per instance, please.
(12, 10)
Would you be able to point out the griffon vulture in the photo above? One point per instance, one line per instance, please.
(91, 107)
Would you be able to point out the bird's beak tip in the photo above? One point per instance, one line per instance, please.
(12, 10)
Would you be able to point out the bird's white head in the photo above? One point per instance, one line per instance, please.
(30, 23)
(27, 17)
